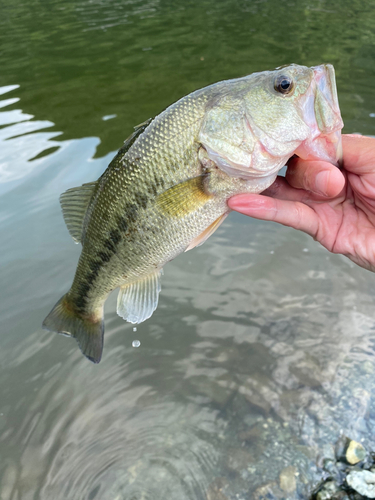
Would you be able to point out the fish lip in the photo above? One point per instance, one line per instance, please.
(328, 88)
(325, 143)
(326, 73)
(325, 81)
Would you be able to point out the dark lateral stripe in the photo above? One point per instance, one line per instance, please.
(110, 244)
(95, 265)
(115, 236)
(122, 224)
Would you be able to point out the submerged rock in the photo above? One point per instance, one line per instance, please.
(287, 479)
(328, 491)
(349, 451)
(346, 481)
(355, 453)
(362, 481)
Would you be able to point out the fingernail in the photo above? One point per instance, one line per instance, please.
(321, 183)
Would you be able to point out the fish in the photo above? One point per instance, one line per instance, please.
(166, 190)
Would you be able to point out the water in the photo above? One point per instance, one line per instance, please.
(262, 349)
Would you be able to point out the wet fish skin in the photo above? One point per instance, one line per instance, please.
(166, 190)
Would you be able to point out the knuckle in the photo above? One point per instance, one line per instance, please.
(298, 215)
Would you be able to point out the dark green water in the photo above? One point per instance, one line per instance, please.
(262, 349)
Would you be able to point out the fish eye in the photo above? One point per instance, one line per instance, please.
(284, 85)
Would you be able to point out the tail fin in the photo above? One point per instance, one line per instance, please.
(88, 334)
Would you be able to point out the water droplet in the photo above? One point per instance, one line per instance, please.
(108, 117)
(136, 343)
(372, 115)
(272, 252)
(134, 328)
(305, 250)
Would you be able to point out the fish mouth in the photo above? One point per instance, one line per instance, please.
(327, 147)
(321, 112)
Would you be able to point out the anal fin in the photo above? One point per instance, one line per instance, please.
(201, 238)
(136, 302)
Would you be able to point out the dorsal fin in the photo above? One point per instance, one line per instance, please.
(138, 129)
(117, 161)
(143, 125)
(74, 203)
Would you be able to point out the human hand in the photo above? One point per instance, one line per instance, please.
(335, 207)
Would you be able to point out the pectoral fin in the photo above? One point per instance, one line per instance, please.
(183, 198)
(199, 240)
(136, 302)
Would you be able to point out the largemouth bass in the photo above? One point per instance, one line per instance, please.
(166, 190)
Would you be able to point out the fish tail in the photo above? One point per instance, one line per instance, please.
(88, 332)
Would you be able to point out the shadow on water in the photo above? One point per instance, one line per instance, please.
(259, 356)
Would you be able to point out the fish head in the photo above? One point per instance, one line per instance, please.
(253, 125)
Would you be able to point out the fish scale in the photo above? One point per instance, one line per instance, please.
(167, 188)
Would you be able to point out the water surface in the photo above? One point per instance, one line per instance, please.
(261, 352)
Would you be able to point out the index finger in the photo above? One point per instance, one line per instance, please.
(289, 213)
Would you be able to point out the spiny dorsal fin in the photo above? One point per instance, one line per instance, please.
(138, 129)
(136, 302)
(183, 198)
(74, 203)
(117, 161)
(143, 125)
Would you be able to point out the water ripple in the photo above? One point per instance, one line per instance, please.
(20, 141)
(167, 451)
